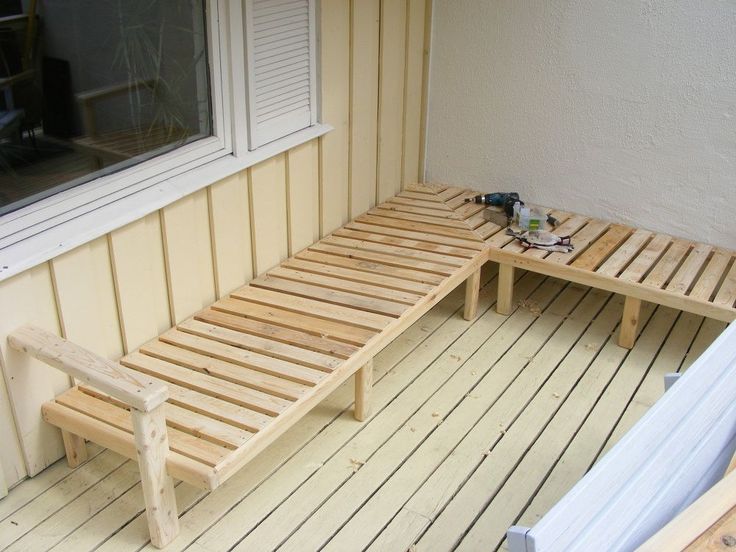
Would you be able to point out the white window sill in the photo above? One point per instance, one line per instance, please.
(51, 242)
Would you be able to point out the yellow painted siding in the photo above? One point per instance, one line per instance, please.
(119, 291)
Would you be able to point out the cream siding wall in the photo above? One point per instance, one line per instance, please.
(118, 291)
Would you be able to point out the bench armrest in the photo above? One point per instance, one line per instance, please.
(134, 389)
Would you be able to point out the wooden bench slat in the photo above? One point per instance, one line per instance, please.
(331, 296)
(296, 321)
(603, 247)
(643, 262)
(157, 364)
(581, 240)
(427, 204)
(373, 262)
(261, 382)
(711, 276)
(183, 443)
(467, 210)
(432, 213)
(396, 251)
(387, 220)
(277, 333)
(459, 226)
(459, 243)
(624, 254)
(667, 265)
(422, 271)
(341, 284)
(450, 193)
(192, 422)
(688, 272)
(421, 196)
(240, 357)
(181, 467)
(489, 229)
(726, 295)
(267, 347)
(355, 271)
(415, 245)
(458, 200)
(344, 315)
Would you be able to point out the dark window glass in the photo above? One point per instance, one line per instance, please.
(90, 87)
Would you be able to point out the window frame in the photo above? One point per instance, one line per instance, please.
(44, 229)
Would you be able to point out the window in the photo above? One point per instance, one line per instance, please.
(95, 86)
(115, 108)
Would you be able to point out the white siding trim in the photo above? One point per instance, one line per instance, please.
(77, 230)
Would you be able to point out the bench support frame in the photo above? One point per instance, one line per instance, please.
(472, 292)
(75, 448)
(505, 301)
(629, 322)
(363, 386)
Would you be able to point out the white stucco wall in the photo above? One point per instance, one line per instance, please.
(625, 110)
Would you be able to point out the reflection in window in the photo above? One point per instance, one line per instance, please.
(89, 87)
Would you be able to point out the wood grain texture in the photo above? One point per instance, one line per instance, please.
(132, 388)
(302, 196)
(268, 207)
(188, 251)
(335, 97)
(230, 229)
(30, 444)
(391, 99)
(137, 257)
(365, 18)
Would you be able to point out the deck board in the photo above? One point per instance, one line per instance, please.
(447, 390)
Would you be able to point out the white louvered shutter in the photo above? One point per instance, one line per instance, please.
(280, 43)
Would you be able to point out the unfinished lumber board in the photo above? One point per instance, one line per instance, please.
(134, 389)
(711, 276)
(617, 262)
(276, 333)
(434, 203)
(726, 295)
(418, 245)
(413, 235)
(313, 307)
(426, 220)
(295, 321)
(318, 263)
(343, 284)
(425, 271)
(267, 347)
(395, 250)
(691, 267)
(668, 264)
(649, 256)
(334, 297)
(603, 247)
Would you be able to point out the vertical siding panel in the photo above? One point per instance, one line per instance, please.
(391, 97)
(86, 298)
(230, 227)
(137, 255)
(303, 196)
(335, 98)
(188, 254)
(268, 202)
(30, 445)
(413, 89)
(363, 104)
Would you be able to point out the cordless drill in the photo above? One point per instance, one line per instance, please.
(498, 199)
(505, 200)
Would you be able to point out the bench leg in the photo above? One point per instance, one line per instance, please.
(152, 446)
(472, 290)
(75, 448)
(505, 300)
(363, 385)
(629, 322)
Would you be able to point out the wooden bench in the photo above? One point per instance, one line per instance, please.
(639, 264)
(675, 453)
(201, 400)
(229, 380)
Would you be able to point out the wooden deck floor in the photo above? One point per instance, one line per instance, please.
(476, 426)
